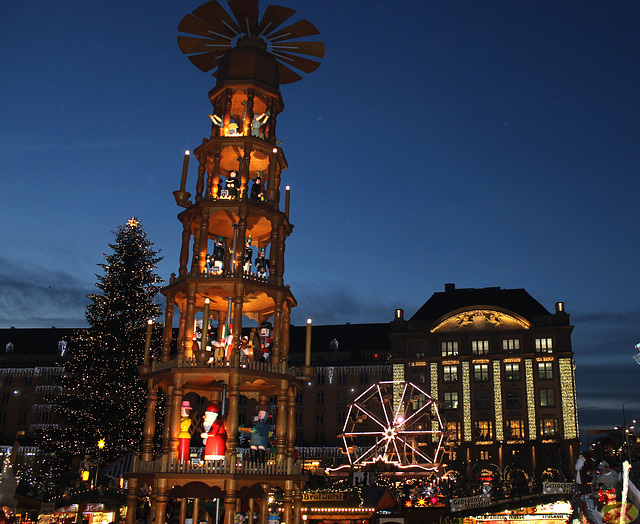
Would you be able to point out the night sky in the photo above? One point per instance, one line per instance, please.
(479, 143)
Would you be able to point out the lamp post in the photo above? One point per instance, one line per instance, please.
(100, 446)
(625, 432)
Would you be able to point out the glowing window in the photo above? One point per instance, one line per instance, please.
(483, 429)
(512, 371)
(511, 345)
(450, 400)
(544, 345)
(481, 372)
(453, 430)
(549, 426)
(515, 429)
(450, 373)
(480, 347)
(449, 348)
(545, 370)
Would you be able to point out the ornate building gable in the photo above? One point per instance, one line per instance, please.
(479, 318)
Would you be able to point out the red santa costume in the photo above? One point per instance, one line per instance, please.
(214, 436)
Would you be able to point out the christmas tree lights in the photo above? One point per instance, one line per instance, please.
(102, 394)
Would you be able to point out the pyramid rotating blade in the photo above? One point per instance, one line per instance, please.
(295, 30)
(274, 16)
(303, 48)
(299, 62)
(246, 13)
(189, 45)
(195, 26)
(206, 61)
(287, 76)
(215, 14)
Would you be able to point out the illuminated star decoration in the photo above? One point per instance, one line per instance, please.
(133, 222)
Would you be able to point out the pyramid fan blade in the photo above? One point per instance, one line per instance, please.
(207, 61)
(274, 16)
(246, 13)
(195, 26)
(299, 62)
(189, 45)
(296, 30)
(214, 13)
(303, 48)
(287, 76)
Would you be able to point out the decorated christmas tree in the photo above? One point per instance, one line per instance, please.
(102, 394)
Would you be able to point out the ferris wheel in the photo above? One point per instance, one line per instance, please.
(397, 423)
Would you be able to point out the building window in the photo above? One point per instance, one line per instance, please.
(449, 349)
(341, 417)
(320, 379)
(299, 418)
(549, 426)
(482, 400)
(512, 371)
(547, 398)
(513, 398)
(299, 399)
(319, 438)
(450, 373)
(417, 349)
(319, 418)
(481, 372)
(450, 400)
(511, 345)
(319, 398)
(483, 430)
(3, 417)
(453, 430)
(342, 378)
(544, 345)
(242, 419)
(545, 370)
(24, 399)
(342, 398)
(4, 399)
(22, 418)
(515, 429)
(28, 380)
(418, 377)
(484, 455)
(480, 347)
(8, 380)
(364, 378)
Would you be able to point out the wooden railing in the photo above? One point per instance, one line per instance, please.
(213, 467)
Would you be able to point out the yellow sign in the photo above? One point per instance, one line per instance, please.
(322, 497)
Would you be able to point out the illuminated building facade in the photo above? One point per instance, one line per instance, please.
(502, 368)
(500, 365)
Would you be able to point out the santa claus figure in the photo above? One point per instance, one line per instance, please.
(214, 436)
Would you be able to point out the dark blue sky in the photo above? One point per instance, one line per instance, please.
(481, 143)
